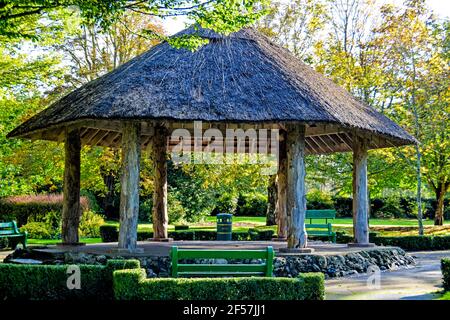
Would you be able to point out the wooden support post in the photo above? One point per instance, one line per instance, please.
(129, 193)
(360, 194)
(159, 156)
(71, 212)
(296, 189)
(281, 214)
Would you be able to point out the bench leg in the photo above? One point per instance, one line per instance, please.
(24, 241)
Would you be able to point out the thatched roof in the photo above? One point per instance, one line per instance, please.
(241, 78)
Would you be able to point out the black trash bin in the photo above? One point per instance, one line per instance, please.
(224, 226)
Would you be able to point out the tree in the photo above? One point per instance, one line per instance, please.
(220, 15)
(92, 52)
(295, 25)
(414, 45)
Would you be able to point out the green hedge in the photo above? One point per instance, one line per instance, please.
(24, 209)
(49, 282)
(408, 243)
(111, 234)
(132, 285)
(414, 243)
(445, 267)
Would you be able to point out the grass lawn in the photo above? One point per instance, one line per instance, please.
(445, 296)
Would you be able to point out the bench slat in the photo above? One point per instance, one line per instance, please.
(318, 226)
(221, 254)
(205, 268)
(6, 225)
(8, 232)
(320, 214)
(319, 233)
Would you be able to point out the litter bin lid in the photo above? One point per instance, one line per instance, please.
(224, 215)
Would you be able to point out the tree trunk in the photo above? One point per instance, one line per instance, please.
(296, 189)
(71, 212)
(129, 193)
(440, 195)
(271, 201)
(419, 190)
(360, 194)
(159, 156)
(280, 209)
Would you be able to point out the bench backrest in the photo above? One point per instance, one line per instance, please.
(8, 228)
(239, 269)
(320, 214)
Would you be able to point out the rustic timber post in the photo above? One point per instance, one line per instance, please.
(159, 156)
(281, 214)
(296, 189)
(129, 193)
(272, 195)
(71, 191)
(360, 194)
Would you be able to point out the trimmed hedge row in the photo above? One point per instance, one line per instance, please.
(414, 243)
(111, 234)
(445, 267)
(133, 285)
(408, 243)
(24, 209)
(49, 282)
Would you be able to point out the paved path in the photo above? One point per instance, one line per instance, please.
(416, 283)
(4, 253)
(155, 248)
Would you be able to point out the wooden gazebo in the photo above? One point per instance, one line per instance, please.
(242, 81)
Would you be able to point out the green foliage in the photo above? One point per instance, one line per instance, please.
(132, 285)
(90, 223)
(109, 233)
(445, 267)
(35, 208)
(317, 199)
(261, 233)
(39, 230)
(224, 16)
(415, 243)
(252, 204)
(49, 282)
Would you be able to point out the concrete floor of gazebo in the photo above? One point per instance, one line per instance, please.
(154, 248)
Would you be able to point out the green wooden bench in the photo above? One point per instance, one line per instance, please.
(321, 229)
(9, 230)
(218, 270)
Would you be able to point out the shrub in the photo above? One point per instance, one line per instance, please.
(33, 208)
(252, 205)
(415, 243)
(39, 230)
(49, 282)
(445, 267)
(175, 209)
(132, 285)
(262, 233)
(90, 223)
(343, 207)
(3, 243)
(109, 233)
(318, 200)
(386, 208)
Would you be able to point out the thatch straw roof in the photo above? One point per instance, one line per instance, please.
(241, 78)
